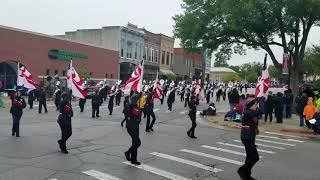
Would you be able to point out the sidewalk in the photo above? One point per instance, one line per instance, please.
(289, 126)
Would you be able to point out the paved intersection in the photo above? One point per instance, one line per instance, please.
(97, 146)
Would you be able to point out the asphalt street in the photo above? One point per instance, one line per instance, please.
(97, 145)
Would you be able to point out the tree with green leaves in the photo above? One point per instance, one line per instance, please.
(230, 25)
(230, 77)
(83, 73)
(312, 62)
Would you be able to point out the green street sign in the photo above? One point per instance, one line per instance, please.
(65, 55)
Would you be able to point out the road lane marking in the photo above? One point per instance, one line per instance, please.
(224, 150)
(274, 142)
(280, 134)
(277, 138)
(157, 171)
(188, 162)
(183, 112)
(212, 156)
(100, 175)
(156, 110)
(263, 145)
(242, 147)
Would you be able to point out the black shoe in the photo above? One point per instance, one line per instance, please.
(147, 130)
(60, 145)
(135, 163)
(189, 133)
(98, 116)
(242, 175)
(151, 129)
(17, 135)
(93, 117)
(127, 155)
(13, 134)
(193, 137)
(64, 151)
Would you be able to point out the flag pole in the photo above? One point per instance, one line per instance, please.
(18, 70)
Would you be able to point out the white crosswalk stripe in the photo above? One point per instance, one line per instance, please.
(188, 162)
(277, 138)
(99, 175)
(242, 147)
(274, 142)
(157, 171)
(183, 112)
(224, 150)
(263, 145)
(286, 135)
(156, 110)
(212, 156)
(53, 179)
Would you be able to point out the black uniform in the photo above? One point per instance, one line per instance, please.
(31, 98)
(96, 102)
(42, 101)
(126, 110)
(278, 101)
(192, 114)
(268, 108)
(182, 95)
(118, 98)
(187, 99)
(248, 135)
(110, 105)
(208, 96)
(218, 95)
(57, 99)
(82, 102)
(18, 104)
(171, 99)
(149, 112)
(64, 121)
(133, 130)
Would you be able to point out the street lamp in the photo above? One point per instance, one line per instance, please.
(290, 47)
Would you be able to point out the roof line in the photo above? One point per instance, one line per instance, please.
(50, 36)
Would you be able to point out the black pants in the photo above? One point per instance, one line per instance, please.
(125, 120)
(95, 111)
(118, 101)
(266, 116)
(278, 114)
(110, 110)
(208, 99)
(182, 98)
(289, 111)
(30, 104)
(161, 100)
(81, 107)
(186, 103)
(15, 125)
(252, 157)
(66, 132)
(218, 99)
(194, 124)
(150, 113)
(170, 106)
(57, 103)
(44, 104)
(133, 130)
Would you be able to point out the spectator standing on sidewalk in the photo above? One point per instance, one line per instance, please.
(278, 107)
(268, 107)
(301, 102)
(288, 101)
(308, 111)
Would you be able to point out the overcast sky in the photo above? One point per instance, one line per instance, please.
(54, 17)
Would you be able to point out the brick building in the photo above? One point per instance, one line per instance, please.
(45, 55)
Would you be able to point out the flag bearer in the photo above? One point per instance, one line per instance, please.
(133, 130)
(249, 131)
